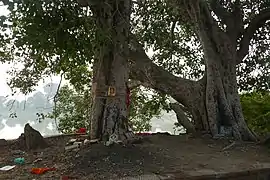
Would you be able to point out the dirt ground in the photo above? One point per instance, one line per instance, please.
(157, 154)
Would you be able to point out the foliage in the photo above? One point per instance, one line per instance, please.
(59, 36)
(73, 107)
(46, 38)
(175, 45)
(145, 106)
(256, 109)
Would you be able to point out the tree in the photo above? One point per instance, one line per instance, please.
(110, 69)
(201, 51)
(224, 31)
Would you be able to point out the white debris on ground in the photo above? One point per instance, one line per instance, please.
(7, 168)
(77, 143)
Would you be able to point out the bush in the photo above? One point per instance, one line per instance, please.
(256, 109)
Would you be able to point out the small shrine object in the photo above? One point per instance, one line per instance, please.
(111, 91)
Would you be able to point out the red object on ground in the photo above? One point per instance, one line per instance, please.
(41, 170)
(82, 131)
(64, 178)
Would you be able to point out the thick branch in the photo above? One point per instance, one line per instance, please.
(238, 16)
(257, 22)
(134, 84)
(220, 11)
(145, 71)
(182, 118)
(233, 20)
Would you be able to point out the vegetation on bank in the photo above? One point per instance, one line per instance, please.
(256, 109)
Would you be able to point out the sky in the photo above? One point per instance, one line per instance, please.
(4, 88)
(14, 132)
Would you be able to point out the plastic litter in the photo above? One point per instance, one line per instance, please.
(6, 168)
(41, 170)
(19, 161)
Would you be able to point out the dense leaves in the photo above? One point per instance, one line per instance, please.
(175, 46)
(71, 109)
(256, 109)
(49, 37)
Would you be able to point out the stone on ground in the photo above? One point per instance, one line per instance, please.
(33, 138)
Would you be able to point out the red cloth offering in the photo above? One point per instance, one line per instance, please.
(41, 170)
(82, 131)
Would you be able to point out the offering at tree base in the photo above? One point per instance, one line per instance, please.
(81, 131)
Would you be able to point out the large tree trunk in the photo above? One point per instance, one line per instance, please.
(222, 102)
(109, 112)
(213, 101)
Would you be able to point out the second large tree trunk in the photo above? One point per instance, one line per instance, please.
(213, 101)
(216, 107)
(109, 111)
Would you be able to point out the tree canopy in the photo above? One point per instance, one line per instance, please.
(51, 37)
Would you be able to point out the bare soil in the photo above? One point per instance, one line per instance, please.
(157, 154)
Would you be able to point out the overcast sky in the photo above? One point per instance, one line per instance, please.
(4, 88)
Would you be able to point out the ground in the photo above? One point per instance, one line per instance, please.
(159, 154)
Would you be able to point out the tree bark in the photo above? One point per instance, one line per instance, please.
(109, 112)
(213, 101)
(222, 101)
(183, 119)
